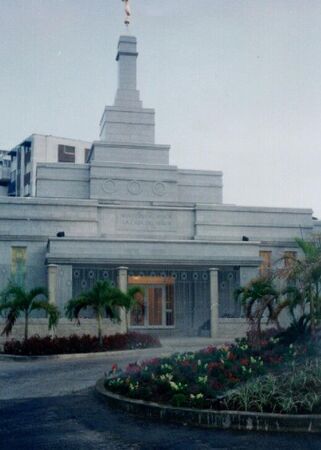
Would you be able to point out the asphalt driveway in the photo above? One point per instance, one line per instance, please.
(52, 405)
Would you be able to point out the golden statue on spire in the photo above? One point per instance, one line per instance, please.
(127, 12)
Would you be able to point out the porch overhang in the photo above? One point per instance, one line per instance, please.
(78, 250)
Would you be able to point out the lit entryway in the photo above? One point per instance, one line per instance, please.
(155, 307)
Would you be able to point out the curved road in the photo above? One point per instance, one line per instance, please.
(52, 405)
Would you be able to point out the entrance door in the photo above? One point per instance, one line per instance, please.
(150, 308)
(155, 305)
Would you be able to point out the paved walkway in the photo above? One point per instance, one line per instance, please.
(50, 404)
(42, 378)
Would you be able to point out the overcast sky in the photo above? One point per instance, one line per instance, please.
(236, 84)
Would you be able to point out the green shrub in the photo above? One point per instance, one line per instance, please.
(179, 400)
(199, 379)
(294, 392)
(48, 345)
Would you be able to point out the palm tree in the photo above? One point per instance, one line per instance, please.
(304, 277)
(15, 300)
(130, 299)
(105, 300)
(258, 297)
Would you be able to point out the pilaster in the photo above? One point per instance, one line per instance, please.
(214, 299)
(52, 270)
(122, 285)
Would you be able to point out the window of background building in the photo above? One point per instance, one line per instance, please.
(66, 153)
(266, 263)
(18, 264)
(27, 156)
(289, 258)
(27, 178)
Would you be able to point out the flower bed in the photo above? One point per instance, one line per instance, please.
(201, 379)
(48, 345)
(298, 391)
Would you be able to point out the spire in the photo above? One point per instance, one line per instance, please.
(127, 93)
(127, 121)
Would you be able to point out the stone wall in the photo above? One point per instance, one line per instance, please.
(63, 180)
(232, 328)
(256, 223)
(45, 217)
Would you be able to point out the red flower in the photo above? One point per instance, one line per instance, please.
(214, 365)
(151, 362)
(244, 362)
(186, 363)
(133, 368)
(233, 379)
(209, 349)
(231, 356)
(216, 385)
(274, 359)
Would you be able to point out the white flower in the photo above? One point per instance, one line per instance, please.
(173, 385)
(202, 380)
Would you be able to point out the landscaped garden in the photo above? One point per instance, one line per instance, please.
(274, 378)
(103, 300)
(49, 345)
(269, 371)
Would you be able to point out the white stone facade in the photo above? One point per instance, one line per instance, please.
(127, 210)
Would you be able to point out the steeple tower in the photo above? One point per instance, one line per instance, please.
(127, 121)
(127, 73)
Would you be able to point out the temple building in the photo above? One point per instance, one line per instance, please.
(115, 209)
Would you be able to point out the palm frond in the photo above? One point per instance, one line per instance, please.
(4, 307)
(16, 293)
(74, 306)
(11, 318)
(37, 291)
(50, 309)
(309, 248)
(131, 297)
(112, 313)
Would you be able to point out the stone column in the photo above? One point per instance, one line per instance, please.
(214, 298)
(122, 284)
(52, 283)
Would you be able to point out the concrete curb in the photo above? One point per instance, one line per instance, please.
(5, 357)
(208, 418)
(167, 349)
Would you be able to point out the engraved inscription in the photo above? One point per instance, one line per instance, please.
(146, 221)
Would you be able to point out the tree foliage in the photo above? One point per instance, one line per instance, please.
(301, 295)
(15, 301)
(259, 298)
(104, 300)
(304, 281)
